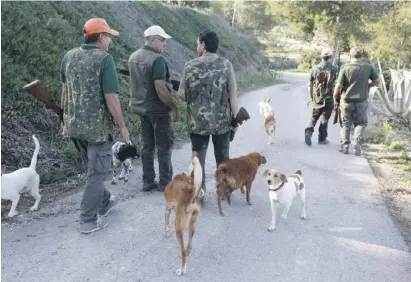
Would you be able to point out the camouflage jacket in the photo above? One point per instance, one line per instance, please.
(86, 115)
(206, 94)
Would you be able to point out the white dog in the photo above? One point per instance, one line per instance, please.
(22, 180)
(282, 190)
(122, 154)
(269, 118)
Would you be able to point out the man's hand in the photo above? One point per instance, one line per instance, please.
(124, 134)
(175, 114)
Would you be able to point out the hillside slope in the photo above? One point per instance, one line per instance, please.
(36, 35)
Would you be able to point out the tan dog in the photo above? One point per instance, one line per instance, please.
(237, 173)
(181, 195)
(269, 118)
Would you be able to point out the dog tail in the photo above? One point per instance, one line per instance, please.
(197, 175)
(35, 154)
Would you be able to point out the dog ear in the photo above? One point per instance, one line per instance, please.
(301, 185)
(268, 100)
(265, 173)
(284, 178)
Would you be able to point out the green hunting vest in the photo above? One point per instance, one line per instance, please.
(86, 115)
(143, 94)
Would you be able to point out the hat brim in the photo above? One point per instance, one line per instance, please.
(113, 32)
(165, 35)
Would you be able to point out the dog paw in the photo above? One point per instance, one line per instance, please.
(180, 271)
(11, 214)
(271, 228)
(113, 182)
(222, 213)
(166, 233)
(303, 216)
(284, 215)
(33, 208)
(120, 177)
(125, 179)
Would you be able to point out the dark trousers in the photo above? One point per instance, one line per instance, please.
(325, 114)
(96, 158)
(221, 143)
(157, 130)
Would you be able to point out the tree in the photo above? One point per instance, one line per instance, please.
(396, 25)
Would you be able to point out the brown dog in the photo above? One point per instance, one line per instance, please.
(237, 173)
(181, 195)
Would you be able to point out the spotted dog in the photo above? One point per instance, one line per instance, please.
(122, 155)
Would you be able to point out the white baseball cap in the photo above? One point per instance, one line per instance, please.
(327, 52)
(156, 30)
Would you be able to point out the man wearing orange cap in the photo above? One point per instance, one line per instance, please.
(91, 106)
(150, 98)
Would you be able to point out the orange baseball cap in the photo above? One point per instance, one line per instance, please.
(98, 25)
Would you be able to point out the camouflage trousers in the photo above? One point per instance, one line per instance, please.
(324, 113)
(353, 114)
(221, 144)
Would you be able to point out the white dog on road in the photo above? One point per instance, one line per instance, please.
(19, 181)
(282, 190)
(269, 118)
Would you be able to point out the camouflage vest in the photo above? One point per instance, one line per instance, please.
(207, 96)
(86, 115)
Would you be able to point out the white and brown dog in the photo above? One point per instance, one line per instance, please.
(282, 191)
(22, 180)
(122, 155)
(269, 118)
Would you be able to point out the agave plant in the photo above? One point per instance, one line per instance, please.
(396, 102)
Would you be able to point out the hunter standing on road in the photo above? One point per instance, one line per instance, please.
(208, 86)
(90, 102)
(150, 98)
(353, 81)
(320, 89)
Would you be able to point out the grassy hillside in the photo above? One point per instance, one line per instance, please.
(36, 35)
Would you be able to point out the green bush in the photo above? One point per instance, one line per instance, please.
(309, 58)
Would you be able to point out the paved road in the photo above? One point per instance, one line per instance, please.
(349, 235)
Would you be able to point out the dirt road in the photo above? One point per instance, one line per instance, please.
(348, 236)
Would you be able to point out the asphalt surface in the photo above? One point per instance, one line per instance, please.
(348, 236)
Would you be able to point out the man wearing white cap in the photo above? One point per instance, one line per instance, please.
(151, 99)
(320, 87)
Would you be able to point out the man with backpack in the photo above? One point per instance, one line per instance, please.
(320, 89)
(353, 82)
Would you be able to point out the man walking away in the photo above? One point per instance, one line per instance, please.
(90, 102)
(208, 86)
(320, 88)
(150, 98)
(353, 81)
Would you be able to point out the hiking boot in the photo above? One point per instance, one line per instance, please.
(161, 188)
(148, 187)
(357, 150)
(323, 142)
(89, 227)
(308, 138)
(344, 150)
(111, 204)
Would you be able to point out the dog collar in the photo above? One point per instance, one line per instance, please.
(276, 189)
